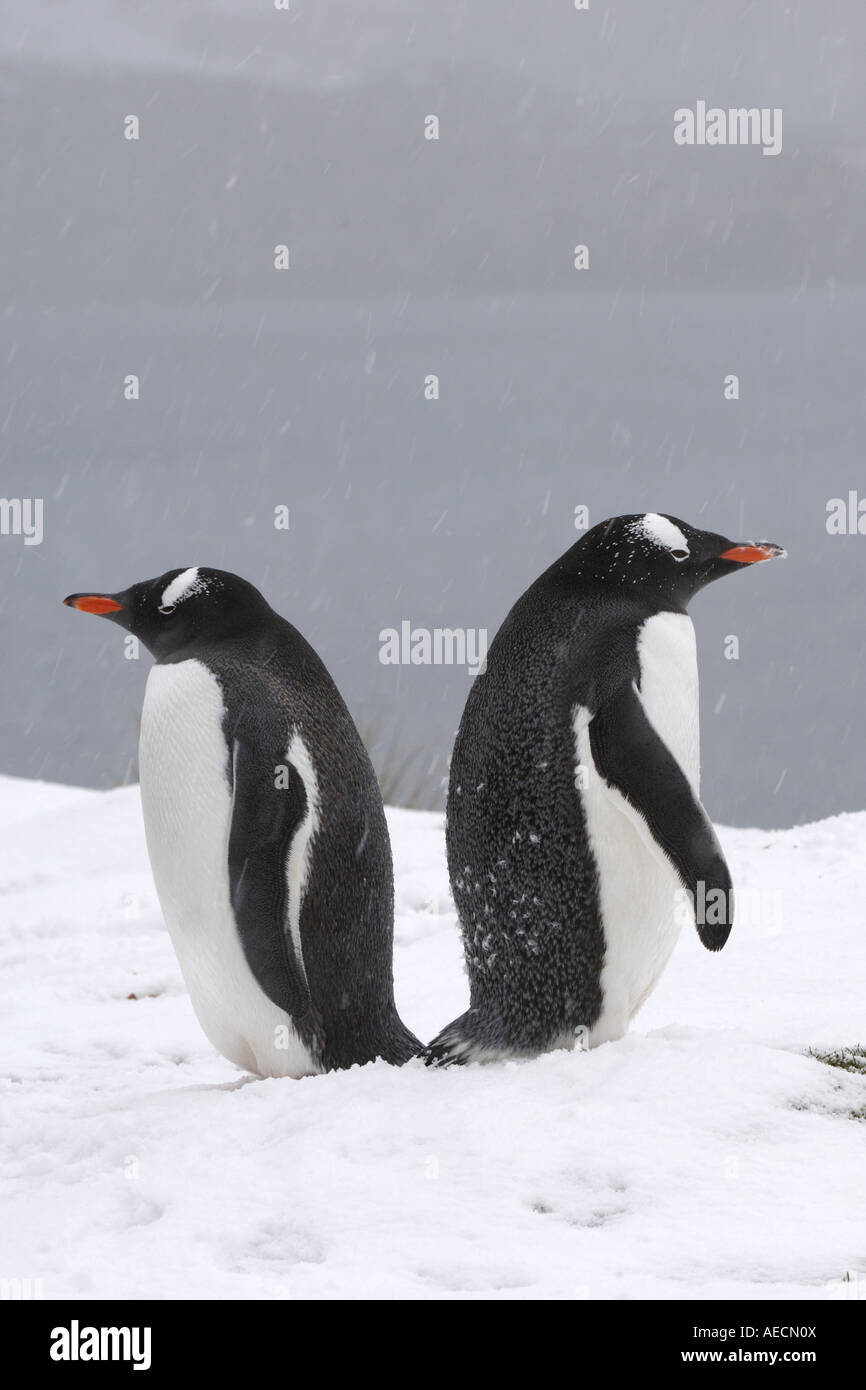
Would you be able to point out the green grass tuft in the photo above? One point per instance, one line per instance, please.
(851, 1059)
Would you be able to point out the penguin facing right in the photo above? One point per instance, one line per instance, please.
(577, 843)
(265, 829)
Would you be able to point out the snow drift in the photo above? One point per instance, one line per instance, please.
(705, 1155)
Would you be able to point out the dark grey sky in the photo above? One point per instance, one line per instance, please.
(558, 389)
(799, 54)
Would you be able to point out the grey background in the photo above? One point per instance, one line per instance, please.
(558, 388)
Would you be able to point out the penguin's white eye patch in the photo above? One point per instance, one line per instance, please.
(169, 608)
(661, 531)
(183, 586)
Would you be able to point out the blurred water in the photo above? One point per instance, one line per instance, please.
(440, 512)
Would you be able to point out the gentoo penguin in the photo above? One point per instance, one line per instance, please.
(577, 844)
(265, 829)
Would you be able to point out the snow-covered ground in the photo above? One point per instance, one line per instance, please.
(704, 1156)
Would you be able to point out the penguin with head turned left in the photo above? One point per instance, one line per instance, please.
(577, 842)
(265, 829)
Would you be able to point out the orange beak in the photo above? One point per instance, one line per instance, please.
(93, 603)
(751, 554)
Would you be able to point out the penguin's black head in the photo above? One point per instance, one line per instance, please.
(180, 608)
(664, 554)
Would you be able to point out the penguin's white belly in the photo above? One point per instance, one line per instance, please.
(639, 890)
(187, 806)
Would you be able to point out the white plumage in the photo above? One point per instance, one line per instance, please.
(640, 892)
(186, 799)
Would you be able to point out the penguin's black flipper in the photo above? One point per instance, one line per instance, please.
(265, 818)
(630, 756)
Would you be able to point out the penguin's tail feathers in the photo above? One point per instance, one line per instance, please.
(401, 1046)
(389, 1041)
(458, 1044)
